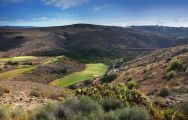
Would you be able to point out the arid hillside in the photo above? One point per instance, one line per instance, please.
(163, 73)
(81, 39)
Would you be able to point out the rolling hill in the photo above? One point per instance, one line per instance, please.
(86, 40)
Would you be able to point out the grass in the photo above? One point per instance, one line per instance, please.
(90, 71)
(17, 59)
(14, 73)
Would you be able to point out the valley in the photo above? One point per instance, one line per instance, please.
(106, 69)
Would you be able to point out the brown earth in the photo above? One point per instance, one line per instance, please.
(19, 95)
(149, 72)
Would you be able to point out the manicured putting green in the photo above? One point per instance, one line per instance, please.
(91, 71)
(16, 72)
(17, 59)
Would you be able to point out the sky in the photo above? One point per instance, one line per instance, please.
(102, 12)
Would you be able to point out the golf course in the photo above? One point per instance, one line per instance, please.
(13, 73)
(17, 59)
(91, 71)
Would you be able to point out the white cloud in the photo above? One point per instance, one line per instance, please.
(65, 4)
(40, 18)
(98, 8)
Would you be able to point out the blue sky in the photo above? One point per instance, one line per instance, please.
(104, 12)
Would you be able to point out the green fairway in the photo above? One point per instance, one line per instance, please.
(17, 59)
(14, 73)
(91, 71)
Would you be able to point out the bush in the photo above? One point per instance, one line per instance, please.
(146, 76)
(3, 90)
(132, 85)
(12, 63)
(4, 113)
(183, 108)
(117, 91)
(18, 114)
(108, 78)
(27, 63)
(175, 64)
(129, 79)
(82, 104)
(77, 108)
(44, 113)
(111, 116)
(145, 71)
(170, 75)
(170, 114)
(7, 114)
(36, 92)
(168, 59)
(164, 92)
(186, 70)
(73, 87)
(111, 104)
(134, 113)
(88, 82)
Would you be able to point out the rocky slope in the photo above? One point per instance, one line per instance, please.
(162, 74)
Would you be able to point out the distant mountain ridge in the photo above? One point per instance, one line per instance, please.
(162, 30)
(88, 39)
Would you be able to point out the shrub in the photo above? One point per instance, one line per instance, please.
(185, 82)
(164, 92)
(64, 71)
(82, 104)
(108, 78)
(170, 114)
(129, 79)
(175, 64)
(144, 71)
(18, 114)
(134, 113)
(117, 91)
(183, 107)
(36, 92)
(4, 90)
(54, 96)
(1, 92)
(111, 104)
(73, 87)
(170, 75)
(88, 82)
(132, 85)
(27, 63)
(77, 108)
(111, 116)
(186, 70)
(168, 59)
(12, 63)
(4, 113)
(44, 113)
(146, 76)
